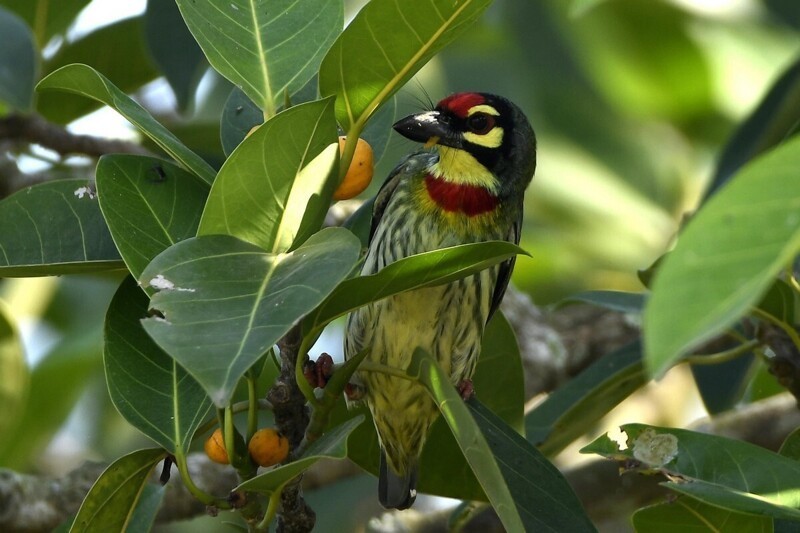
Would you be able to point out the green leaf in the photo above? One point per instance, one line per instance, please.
(144, 515)
(332, 445)
(147, 386)
(624, 302)
(174, 49)
(54, 228)
(84, 80)
(14, 375)
(379, 129)
(275, 188)
(718, 471)
(570, 410)
(727, 498)
(112, 500)
(225, 302)
(18, 61)
(542, 496)
(239, 116)
(46, 17)
(470, 439)
(266, 47)
(384, 46)
(498, 381)
(726, 258)
(126, 39)
(421, 270)
(149, 205)
(691, 516)
(767, 126)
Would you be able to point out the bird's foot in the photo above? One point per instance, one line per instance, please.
(353, 392)
(465, 389)
(319, 372)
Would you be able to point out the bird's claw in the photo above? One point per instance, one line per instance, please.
(318, 372)
(465, 389)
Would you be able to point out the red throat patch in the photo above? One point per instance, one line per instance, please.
(459, 104)
(468, 199)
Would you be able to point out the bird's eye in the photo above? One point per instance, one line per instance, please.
(480, 123)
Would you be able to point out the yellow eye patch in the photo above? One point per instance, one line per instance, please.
(483, 108)
(493, 139)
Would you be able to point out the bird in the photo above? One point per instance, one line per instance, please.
(465, 185)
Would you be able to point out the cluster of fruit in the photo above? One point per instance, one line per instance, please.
(267, 447)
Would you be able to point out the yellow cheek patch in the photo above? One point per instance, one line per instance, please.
(492, 139)
(458, 166)
(483, 108)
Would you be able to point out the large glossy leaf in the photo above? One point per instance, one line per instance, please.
(149, 205)
(421, 270)
(147, 386)
(384, 46)
(718, 471)
(691, 516)
(239, 116)
(144, 514)
(14, 378)
(470, 438)
(102, 49)
(274, 188)
(19, 63)
(46, 17)
(112, 500)
(225, 302)
(498, 383)
(624, 302)
(84, 80)
(543, 498)
(54, 228)
(569, 411)
(726, 257)
(501, 466)
(174, 49)
(332, 445)
(266, 47)
(768, 125)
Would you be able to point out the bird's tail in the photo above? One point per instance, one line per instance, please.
(396, 491)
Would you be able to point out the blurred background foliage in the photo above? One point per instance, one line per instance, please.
(632, 102)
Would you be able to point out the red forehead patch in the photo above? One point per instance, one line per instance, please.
(460, 103)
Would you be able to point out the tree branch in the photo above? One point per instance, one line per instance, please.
(35, 129)
(291, 418)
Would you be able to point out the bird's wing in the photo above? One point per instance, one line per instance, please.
(411, 163)
(506, 267)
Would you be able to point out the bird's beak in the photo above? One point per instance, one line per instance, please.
(427, 128)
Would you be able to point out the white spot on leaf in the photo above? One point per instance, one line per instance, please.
(655, 449)
(80, 192)
(163, 284)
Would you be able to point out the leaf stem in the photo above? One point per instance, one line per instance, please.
(252, 406)
(789, 330)
(349, 148)
(194, 490)
(272, 509)
(724, 356)
(228, 436)
(238, 407)
(369, 366)
(793, 281)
